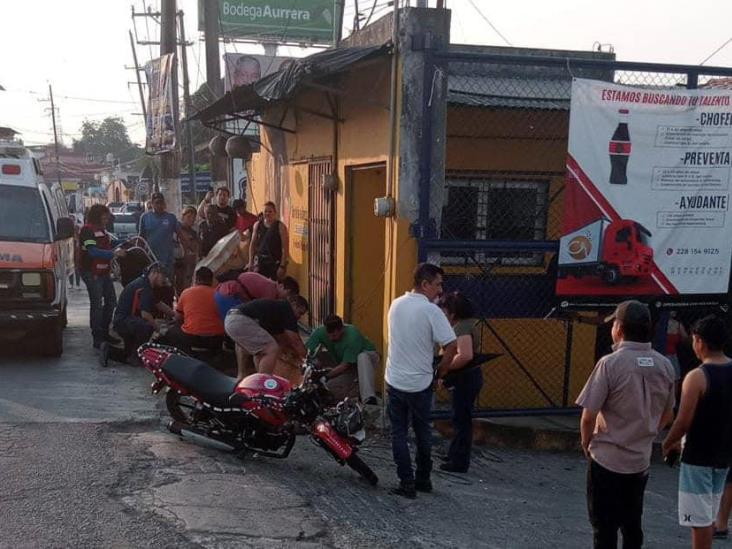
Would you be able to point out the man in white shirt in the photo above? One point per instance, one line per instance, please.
(416, 325)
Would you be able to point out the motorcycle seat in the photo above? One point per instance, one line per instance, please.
(201, 379)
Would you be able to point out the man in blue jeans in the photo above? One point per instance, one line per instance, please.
(416, 325)
(96, 253)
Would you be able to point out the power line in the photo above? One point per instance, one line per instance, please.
(483, 16)
(715, 52)
(72, 97)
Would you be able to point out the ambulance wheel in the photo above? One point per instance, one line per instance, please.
(611, 275)
(53, 342)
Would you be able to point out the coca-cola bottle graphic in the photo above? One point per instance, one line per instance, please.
(620, 151)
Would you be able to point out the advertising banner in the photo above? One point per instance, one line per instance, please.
(281, 21)
(160, 123)
(647, 193)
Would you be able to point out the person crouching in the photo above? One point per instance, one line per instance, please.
(263, 326)
(201, 326)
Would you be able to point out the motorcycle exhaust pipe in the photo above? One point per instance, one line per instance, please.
(186, 432)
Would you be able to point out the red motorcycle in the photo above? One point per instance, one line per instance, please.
(261, 413)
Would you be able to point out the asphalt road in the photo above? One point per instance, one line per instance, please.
(85, 462)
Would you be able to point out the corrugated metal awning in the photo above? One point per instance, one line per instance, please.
(489, 91)
(283, 84)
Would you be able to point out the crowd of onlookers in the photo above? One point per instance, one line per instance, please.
(629, 398)
(188, 293)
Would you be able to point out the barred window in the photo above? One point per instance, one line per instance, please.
(486, 208)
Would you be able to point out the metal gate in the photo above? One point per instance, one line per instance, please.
(494, 219)
(321, 228)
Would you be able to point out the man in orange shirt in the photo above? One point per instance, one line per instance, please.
(201, 326)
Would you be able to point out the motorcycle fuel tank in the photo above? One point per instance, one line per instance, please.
(264, 384)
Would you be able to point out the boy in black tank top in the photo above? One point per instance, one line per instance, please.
(705, 418)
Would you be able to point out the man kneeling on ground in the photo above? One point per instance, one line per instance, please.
(356, 358)
(263, 326)
(133, 317)
(201, 326)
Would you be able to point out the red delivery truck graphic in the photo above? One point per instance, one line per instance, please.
(613, 251)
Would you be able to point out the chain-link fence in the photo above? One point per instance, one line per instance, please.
(496, 220)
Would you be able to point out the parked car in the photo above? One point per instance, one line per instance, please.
(125, 225)
(132, 207)
(115, 207)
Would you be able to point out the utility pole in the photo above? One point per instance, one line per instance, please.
(170, 161)
(340, 8)
(219, 165)
(139, 80)
(55, 134)
(189, 111)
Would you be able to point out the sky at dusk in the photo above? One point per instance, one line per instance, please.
(82, 47)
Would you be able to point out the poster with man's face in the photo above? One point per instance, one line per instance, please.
(244, 68)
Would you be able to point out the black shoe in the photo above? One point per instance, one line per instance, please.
(452, 468)
(423, 486)
(371, 401)
(109, 338)
(104, 354)
(405, 489)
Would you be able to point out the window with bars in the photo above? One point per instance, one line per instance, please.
(488, 208)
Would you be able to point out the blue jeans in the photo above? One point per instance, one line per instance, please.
(402, 407)
(134, 331)
(102, 301)
(465, 390)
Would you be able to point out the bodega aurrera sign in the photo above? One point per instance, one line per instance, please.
(312, 21)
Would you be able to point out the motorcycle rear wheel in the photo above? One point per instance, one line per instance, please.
(358, 465)
(179, 409)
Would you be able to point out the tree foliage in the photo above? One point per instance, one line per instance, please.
(105, 137)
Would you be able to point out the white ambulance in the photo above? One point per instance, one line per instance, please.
(36, 252)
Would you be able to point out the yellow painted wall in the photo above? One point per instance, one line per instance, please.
(282, 174)
(478, 140)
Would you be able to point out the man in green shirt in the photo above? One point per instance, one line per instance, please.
(356, 358)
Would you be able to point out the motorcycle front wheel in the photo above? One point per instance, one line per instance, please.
(181, 408)
(358, 465)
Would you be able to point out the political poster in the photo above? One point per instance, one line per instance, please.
(160, 122)
(647, 192)
(241, 69)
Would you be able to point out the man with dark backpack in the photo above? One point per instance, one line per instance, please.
(268, 251)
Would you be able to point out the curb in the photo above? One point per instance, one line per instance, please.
(489, 433)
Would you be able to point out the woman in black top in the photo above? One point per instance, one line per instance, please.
(465, 379)
(270, 241)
